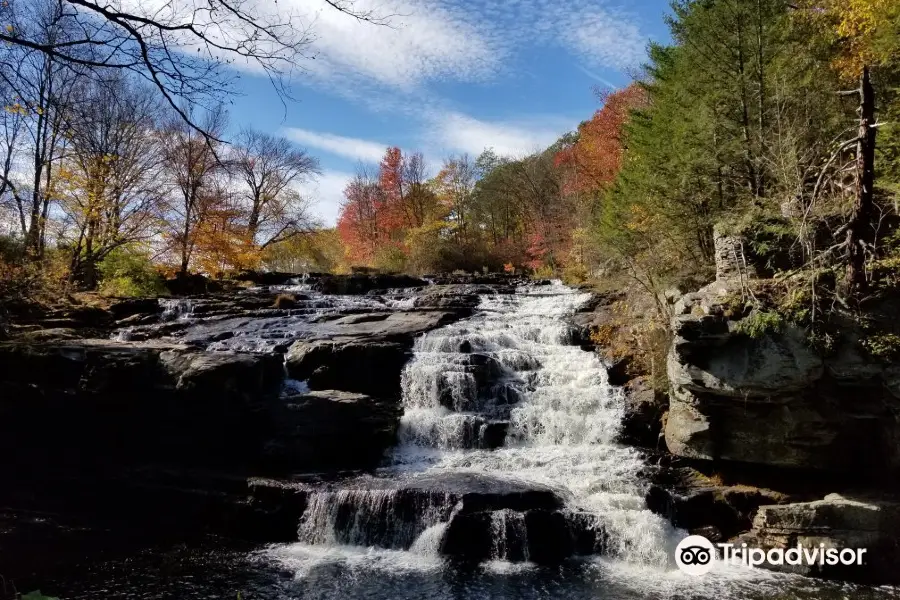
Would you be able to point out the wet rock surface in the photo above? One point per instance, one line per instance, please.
(331, 430)
(464, 516)
(705, 506)
(198, 386)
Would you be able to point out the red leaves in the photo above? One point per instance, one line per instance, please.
(378, 213)
(597, 155)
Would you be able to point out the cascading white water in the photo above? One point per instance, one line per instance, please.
(549, 408)
(362, 517)
(562, 430)
(177, 308)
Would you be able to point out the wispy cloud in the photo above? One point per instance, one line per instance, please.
(431, 41)
(326, 194)
(606, 38)
(346, 147)
(457, 132)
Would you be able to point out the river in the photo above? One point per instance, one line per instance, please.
(560, 418)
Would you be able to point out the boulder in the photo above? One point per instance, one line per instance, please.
(839, 522)
(365, 367)
(474, 516)
(694, 502)
(331, 431)
(707, 357)
(642, 421)
(135, 306)
(363, 353)
(83, 403)
(361, 284)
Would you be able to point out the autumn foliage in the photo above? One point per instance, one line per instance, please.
(595, 159)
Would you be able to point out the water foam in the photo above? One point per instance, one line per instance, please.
(563, 431)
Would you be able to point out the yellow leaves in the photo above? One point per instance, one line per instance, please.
(642, 220)
(855, 25)
(16, 109)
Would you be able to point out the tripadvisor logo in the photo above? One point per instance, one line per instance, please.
(696, 555)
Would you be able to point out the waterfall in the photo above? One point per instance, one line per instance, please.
(497, 408)
(364, 516)
(177, 308)
(509, 374)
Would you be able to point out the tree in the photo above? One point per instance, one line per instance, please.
(496, 206)
(268, 167)
(409, 202)
(190, 161)
(318, 251)
(184, 50)
(741, 117)
(360, 221)
(219, 240)
(596, 154)
(456, 185)
(109, 179)
(44, 92)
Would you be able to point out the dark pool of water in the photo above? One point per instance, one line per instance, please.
(208, 571)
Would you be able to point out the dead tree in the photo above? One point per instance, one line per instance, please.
(859, 228)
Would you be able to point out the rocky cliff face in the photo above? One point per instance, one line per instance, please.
(769, 407)
(772, 400)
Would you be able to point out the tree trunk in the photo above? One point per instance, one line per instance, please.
(859, 231)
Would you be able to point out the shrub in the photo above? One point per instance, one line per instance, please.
(285, 301)
(543, 272)
(127, 271)
(390, 259)
(884, 346)
(26, 281)
(761, 323)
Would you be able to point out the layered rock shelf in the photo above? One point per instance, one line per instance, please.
(180, 400)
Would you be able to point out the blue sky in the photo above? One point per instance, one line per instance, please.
(447, 77)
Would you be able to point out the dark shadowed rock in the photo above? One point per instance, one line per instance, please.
(349, 285)
(135, 306)
(693, 502)
(643, 419)
(331, 431)
(484, 516)
(73, 404)
(364, 367)
(362, 353)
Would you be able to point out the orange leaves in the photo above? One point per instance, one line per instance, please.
(221, 242)
(360, 221)
(595, 159)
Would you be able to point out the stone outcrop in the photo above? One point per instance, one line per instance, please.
(772, 400)
(80, 403)
(363, 284)
(331, 431)
(841, 522)
(707, 507)
(642, 421)
(731, 259)
(362, 353)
